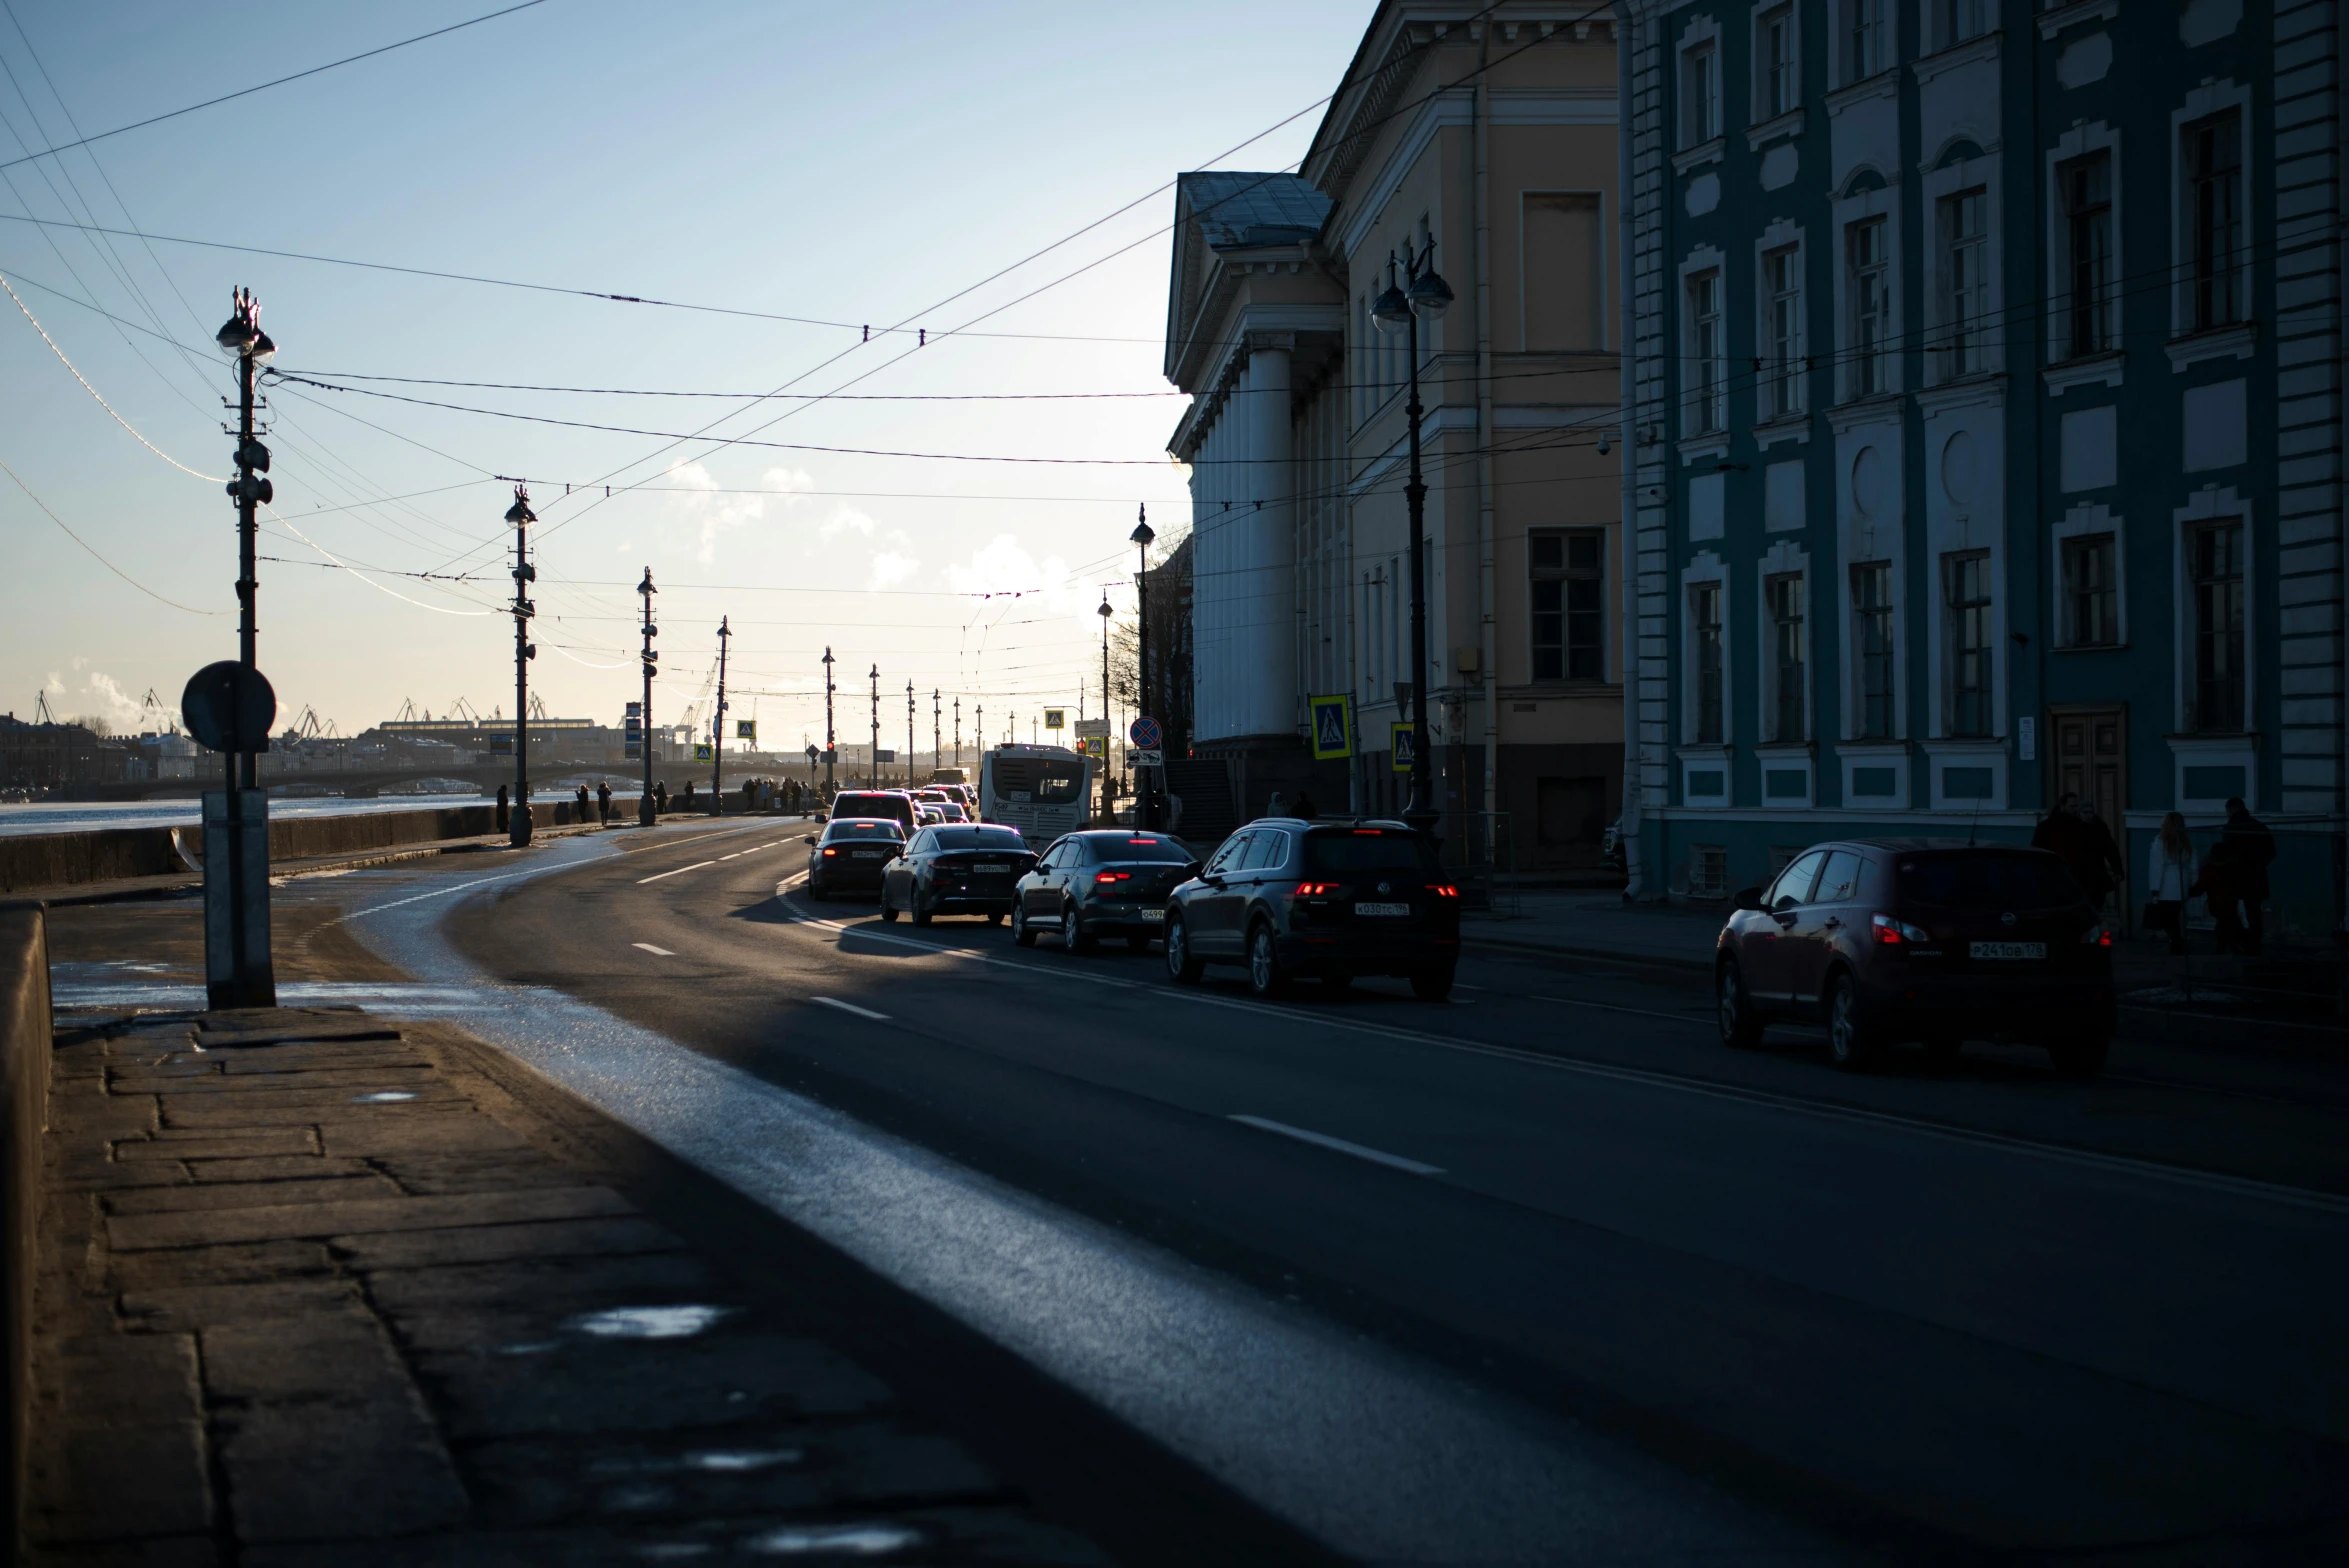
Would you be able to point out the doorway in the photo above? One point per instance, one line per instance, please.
(2091, 760)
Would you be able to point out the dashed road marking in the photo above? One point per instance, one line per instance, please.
(656, 876)
(657, 952)
(850, 1007)
(1324, 1140)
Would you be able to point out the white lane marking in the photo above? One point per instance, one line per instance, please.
(441, 892)
(658, 952)
(850, 1007)
(736, 855)
(2173, 1175)
(1359, 1151)
(656, 876)
(1637, 1012)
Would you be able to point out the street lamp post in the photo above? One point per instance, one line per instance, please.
(238, 970)
(873, 761)
(718, 727)
(1108, 812)
(521, 516)
(831, 741)
(1422, 294)
(909, 735)
(644, 800)
(1145, 784)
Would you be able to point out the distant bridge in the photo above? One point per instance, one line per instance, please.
(367, 782)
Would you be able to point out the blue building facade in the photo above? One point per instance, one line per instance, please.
(1985, 424)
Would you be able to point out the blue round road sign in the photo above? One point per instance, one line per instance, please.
(1145, 733)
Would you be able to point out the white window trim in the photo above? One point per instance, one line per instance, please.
(1893, 754)
(1604, 260)
(1960, 175)
(1848, 648)
(1967, 752)
(1707, 567)
(2074, 143)
(1699, 261)
(2208, 99)
(2208, 504)
(1883, 538)
(1784, 559)
(1884, 203)
(1944, 691)
(1782, 234)
(1757, 90)
(1702, 30)
(2085, 521)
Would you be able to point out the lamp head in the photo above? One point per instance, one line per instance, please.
(521, 516)
(1143, 534)
(1430, 295)
(241, 334)
(646, 587)
(1104, 611)
(1391, 311)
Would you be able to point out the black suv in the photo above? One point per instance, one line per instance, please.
(1331, 901)
(1101, 882)
(1886, 940)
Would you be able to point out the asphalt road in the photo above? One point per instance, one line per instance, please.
(1724, 1303)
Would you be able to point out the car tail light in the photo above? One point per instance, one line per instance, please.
(831, 852)
(1443, 890)
(1316, 889)
(2097, 935)
(1892, 931)
(1113, 876)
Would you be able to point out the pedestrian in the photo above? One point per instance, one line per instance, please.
(1277, 806)
(1305, 807)
(688, 806)
(2224, 877)
(660, 796)
(2061, 834)
(2255, 847)
(2170, 872)
(603, 803)
(502, 809)
(579, 806)
(2100, 855)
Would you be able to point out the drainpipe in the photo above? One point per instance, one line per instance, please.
(1634, 862)
(1486, 596)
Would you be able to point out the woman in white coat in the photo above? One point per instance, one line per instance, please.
(2169, 872)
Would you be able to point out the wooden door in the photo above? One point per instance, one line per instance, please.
(2091, 757)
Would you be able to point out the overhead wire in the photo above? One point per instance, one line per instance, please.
(94, 551)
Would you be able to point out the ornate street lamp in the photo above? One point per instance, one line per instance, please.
(1145, 783)
(1421, 295)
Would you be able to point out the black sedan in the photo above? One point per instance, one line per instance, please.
(1102, 882)
(1330, 901)
(954, 868)
(850, 855)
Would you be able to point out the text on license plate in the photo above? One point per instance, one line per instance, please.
(864, 854)
(1388, 910)
(1153, 916)
(990, 870)
(2007, 949)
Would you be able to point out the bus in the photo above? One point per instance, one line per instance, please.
(1042, 791)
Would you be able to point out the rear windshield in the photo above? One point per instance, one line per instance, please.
(1108, 847)
(1374, 851)
(1990, 880)
(979, 838)
(867, 803)
(889, 830)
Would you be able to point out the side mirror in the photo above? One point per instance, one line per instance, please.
(807, 838)
(1748, 898)
(1211, 879)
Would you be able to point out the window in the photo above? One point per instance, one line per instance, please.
(2085, 185)
(1966, 597)
(1564, 283)
(1394, 623)
(1871, 638)
(1782, 281)
(1956, 21)
(2091, 596)
(1704, 622)
(1704, 353)
(1784, 596)
(1864, 52)
(2213, 165)
(1839, 879)
(2215, 559)
(1965, 278)
(1777, 89)
(1793, 887)
(1867, 290)
(1700, 84)
(1569, 605)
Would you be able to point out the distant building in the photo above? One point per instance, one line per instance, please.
(57, 756)
(1490, 133)
(1987, 419)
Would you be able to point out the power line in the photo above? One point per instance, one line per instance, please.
(94, 552)
(247, 92)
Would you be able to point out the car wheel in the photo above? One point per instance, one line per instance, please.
(2082, 1056)
(1139, 942)
(1180, 965)
(1072, 932)
(920, 912)
(1266, 977)
(1851, 1045)
(1021, 932)
(1432, 985)
(1741, 1024)
(994, 917)
(888, 910)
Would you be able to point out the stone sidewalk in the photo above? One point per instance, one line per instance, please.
(307, 1296)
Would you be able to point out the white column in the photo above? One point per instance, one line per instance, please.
(1266, 593)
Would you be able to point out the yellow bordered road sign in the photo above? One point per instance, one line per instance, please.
(1333, 727)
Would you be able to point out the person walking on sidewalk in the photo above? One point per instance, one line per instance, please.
(2221, 886)
(603, 804)
(2255, 848)
(2169, 874)
(579, 805)
(660, 796)
(502, 809)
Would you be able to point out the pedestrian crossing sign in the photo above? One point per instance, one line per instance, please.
(746, 729)
(1333, 727)
(1403, 745)
(701, 751)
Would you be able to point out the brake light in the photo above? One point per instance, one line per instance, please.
(1113, 876)
(1146, 842)
(1444, 890)
(1368, 833)
(831, 852)
(1891, 931)
(1316, 889)
(2097, 935)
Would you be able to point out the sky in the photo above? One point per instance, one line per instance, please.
(846, 165)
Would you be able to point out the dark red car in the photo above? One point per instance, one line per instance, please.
(1894, 940)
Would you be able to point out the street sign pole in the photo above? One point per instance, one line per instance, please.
(644, 801)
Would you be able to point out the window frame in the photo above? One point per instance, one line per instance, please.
(1764, 104)
(1704, 384)
(1785, 700)
(1566, 573)
(2206, 102)
(1964, 310)
(1778, 332)
(1959, 614)
(2198, 633)
(2074, 146)
(1865, 352)
(1937, 27)
(1886, 613)
(1700, 112)
(2070, 552)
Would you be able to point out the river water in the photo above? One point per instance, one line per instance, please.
(61, 816)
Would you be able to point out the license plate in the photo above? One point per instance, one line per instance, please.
(989, 871)
(864, 854)
(1383, 910)
(2007, 949)
(1152, 916)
